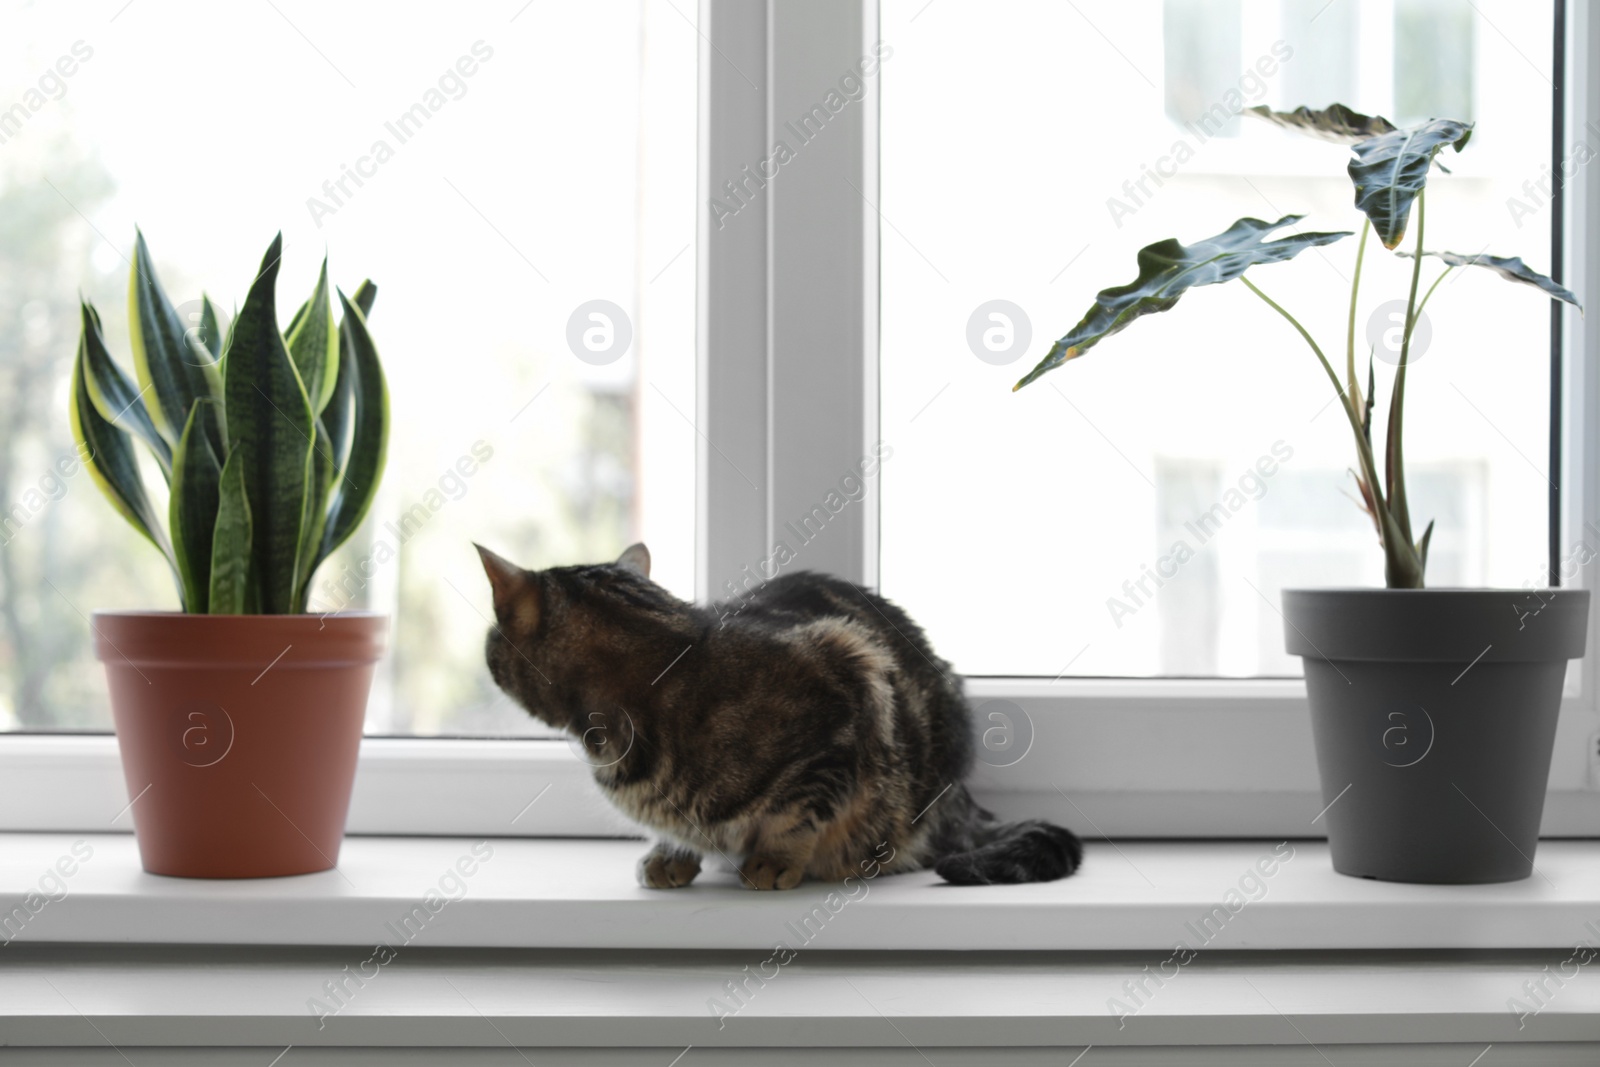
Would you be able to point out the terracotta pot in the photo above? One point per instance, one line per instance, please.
(239, 735)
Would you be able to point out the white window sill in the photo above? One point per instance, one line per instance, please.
(581, 894)
(555, 946)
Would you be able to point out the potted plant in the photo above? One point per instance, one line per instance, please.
(238, 718)
(1433, 710)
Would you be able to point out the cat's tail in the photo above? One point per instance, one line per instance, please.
(1029, 851)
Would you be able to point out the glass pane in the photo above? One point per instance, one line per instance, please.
(1433, 60)
(1327, 73)
(1200, 58)
(1138, 511)
(495, 174)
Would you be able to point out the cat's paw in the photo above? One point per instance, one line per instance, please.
(667, 870)
(766, 872)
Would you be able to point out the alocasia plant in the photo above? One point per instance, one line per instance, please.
(1389, 169)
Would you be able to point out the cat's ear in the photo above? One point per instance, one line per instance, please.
(636, 558)
(509, 583)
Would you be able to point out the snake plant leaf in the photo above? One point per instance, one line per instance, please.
(1167, 270)
(208, 345)
(1336, 123)
(232, 591)
(313, 339)
(271, 427)
(1390, 170)
(108, 455)
(192, 508)
(299, 315)
(369, 431)
(365, 294)
(113, 393)
(227, 339)
(1510, 268)
(334, 425)
(210, 328)
(163, 359)
(336, 416)
(324, 469)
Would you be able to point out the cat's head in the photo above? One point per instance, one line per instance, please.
(568, 641)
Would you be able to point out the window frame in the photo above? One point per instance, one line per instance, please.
(1111, 757)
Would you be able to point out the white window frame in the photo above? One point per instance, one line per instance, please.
(788, 386)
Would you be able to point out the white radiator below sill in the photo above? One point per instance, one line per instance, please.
(166, 1005)
(436, 892)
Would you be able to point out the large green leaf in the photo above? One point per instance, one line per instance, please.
(1336, 123)
(1391, 170)
(166, 364)
(270, 428)
(313, 340)
(232, 591)
(1510, 268)
(108, 455)
(1167, 270)
(369, 440)
(192, 509)
(113, 393)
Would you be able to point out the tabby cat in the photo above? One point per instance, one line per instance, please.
(803, 730)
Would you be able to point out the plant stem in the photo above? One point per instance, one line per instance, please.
(1354, 386)
(1363, 449)
(1424, 302)
(1403, 562)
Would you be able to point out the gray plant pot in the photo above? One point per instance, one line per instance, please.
(1434, 716)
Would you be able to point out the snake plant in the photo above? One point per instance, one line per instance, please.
(1389, 170)
(271, 441)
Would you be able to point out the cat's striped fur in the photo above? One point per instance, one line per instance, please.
(807, 730)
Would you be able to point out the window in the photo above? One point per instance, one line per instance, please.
(528, 214)
(952, 195)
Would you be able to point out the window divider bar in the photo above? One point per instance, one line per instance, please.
(732, 382)
(788, 372)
